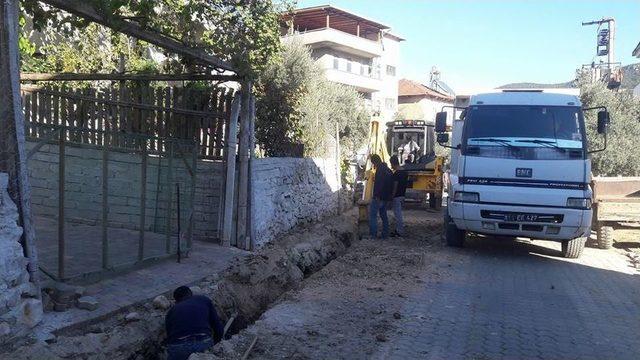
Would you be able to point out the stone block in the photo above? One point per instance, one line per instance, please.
(30, 312)
(5, 329)
(87, 303)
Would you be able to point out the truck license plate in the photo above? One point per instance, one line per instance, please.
(521, 217)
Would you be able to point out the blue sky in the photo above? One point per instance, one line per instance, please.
(487, 43)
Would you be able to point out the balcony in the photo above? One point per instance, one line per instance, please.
(362, 83)
(339, 40)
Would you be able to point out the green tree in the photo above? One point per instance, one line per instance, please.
(621, 158)
(246, 33)
(296, 104)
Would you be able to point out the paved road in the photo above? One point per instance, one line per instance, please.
(505, 300)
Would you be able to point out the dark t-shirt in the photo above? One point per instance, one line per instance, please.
(193, 316)
(400, 177)
(383, 183)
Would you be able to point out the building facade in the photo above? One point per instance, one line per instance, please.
(353, 51)
(419, 102)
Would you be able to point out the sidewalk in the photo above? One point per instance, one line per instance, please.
(144, 284)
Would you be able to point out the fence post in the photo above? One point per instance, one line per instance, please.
(143, 199)
(252, 146)
(192, 196)
(169, 198)
(61, 181)
(243, 181)
(105, 196)
(229, 197)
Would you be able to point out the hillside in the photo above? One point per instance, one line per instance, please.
(631, 78)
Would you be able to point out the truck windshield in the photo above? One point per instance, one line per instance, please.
(524, 132)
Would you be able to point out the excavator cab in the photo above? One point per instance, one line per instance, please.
(413, 141)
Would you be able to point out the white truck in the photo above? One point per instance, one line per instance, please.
(520, 167)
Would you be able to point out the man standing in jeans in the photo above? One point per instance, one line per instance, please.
(381, 194)
(190, 323)
(399, 190)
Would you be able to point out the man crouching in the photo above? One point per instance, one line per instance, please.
(190, 323)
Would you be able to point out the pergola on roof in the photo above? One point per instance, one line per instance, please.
(323, 16)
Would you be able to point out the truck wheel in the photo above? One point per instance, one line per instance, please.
(453, 235)
(605, 237)
(572, 249)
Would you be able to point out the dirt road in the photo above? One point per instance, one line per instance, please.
(414, 298)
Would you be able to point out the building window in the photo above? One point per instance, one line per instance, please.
(336, 63)
(391, 70)
(348, 66)
(389, 103)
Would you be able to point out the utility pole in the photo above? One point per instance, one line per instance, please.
(606, 38)
(605, 46)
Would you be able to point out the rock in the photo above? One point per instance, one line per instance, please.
(29, 289)
(5, 329)
(397, 315)
(62, 292)
(87, 303)
(312, 332)
(79, 292)
(96, 329)
(381, 338)
(30, 312)
(132, 316)
(161, 302)
(196, 290)
(47, 303)
(61, 307)
(48, 338)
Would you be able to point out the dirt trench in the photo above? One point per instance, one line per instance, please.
(247, 288)
(351, 307)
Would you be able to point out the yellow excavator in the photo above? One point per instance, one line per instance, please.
(413, 141)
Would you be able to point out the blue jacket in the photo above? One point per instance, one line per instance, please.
(193, 316)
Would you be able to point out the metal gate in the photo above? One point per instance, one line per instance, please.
(113, 181)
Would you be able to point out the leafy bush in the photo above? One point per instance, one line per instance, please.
(297, 104)
(622, 156)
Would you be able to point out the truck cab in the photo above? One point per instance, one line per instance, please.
(520, 167)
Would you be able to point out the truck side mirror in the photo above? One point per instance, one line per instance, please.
(441, 122)
(603, 121)
(443, 138)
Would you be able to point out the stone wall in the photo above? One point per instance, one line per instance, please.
(83, 189)
(290, 192)
(19, 308)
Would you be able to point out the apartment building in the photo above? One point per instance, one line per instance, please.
(353, 51)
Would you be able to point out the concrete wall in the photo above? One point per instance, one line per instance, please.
(83, 189)
(290, 192)
(19, 309)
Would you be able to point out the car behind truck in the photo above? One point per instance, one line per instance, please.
(520, 167)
